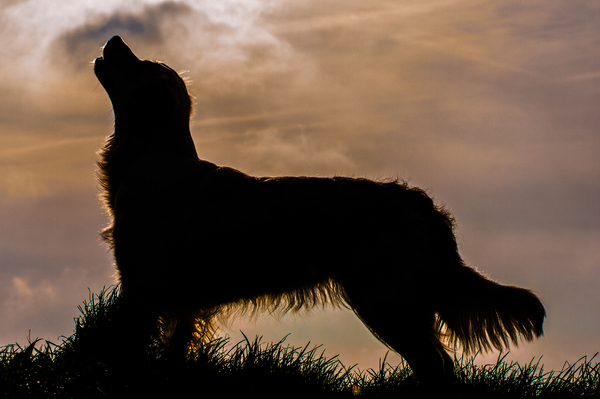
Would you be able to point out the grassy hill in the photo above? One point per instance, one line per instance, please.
(76, 369)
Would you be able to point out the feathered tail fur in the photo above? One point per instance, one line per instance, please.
(489, 314)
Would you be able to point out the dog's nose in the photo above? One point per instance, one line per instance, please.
(115, 50)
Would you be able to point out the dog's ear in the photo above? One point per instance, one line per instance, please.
(159, 99)
(158, 104)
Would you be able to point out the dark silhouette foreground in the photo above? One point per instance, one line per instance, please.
(194, 242)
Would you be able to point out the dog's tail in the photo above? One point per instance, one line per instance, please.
(473, 310)
(481, 314)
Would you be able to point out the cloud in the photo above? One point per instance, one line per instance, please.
(145, 26)
(44, 305)
(24, 301)
(20, 183)
(288, 150)
(22, 296)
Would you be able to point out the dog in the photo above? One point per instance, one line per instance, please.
(194, 241)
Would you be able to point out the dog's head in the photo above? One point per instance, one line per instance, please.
(142, 91)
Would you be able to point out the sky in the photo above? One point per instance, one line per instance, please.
(492, 107)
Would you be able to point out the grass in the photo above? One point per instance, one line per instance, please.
(76, 368)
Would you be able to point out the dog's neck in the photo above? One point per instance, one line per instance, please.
(130, 144)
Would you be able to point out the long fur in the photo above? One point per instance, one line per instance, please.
(490, 315)
(195, 243)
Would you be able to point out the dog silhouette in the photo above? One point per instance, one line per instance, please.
(194, 242)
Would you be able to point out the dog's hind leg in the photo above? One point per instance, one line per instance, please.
(405, 326)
